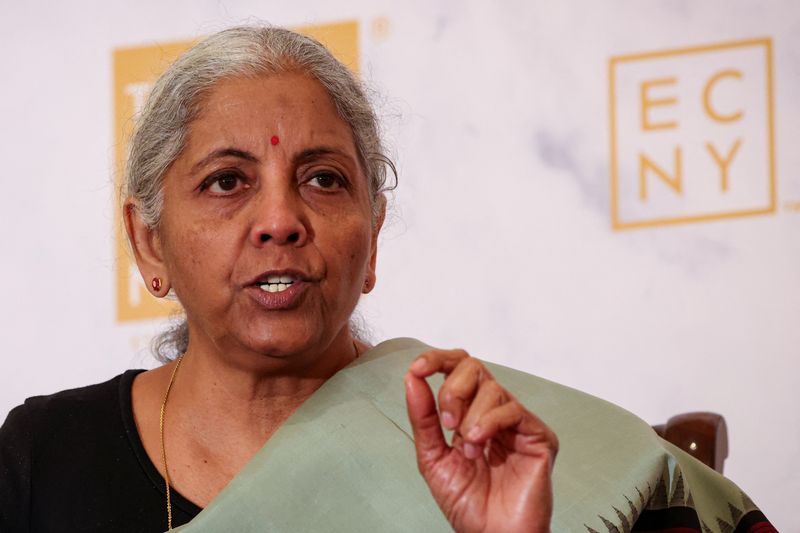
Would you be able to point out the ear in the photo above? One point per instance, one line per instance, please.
(146, 245)
(373, 258)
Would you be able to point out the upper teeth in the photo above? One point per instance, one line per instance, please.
(277, 283)
(280, 279)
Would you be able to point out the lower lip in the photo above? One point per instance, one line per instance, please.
(276, 301)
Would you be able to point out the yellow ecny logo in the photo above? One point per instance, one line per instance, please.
(135, 71)
(691, 134)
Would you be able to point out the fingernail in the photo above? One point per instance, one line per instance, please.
(418, 365)
(474, 433)
(448, 419)
(471, 451)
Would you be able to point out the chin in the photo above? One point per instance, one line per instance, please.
(285, 340)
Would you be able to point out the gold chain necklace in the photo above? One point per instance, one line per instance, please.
(161, 431)
(163, 449)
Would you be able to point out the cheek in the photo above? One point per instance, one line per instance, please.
(351, 250)
(359, 257)
(196, 255)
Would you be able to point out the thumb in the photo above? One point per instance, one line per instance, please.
(428, 437)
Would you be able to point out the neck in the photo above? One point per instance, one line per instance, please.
(247, 396)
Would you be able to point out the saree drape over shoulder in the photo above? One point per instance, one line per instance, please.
(345, 461)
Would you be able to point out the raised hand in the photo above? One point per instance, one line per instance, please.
(496, 475)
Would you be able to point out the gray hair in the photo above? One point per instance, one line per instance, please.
(177, 97)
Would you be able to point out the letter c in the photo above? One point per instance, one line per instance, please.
(712, 81)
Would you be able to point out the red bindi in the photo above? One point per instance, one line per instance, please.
(274, 140)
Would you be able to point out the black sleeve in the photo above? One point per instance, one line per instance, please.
(16, 437)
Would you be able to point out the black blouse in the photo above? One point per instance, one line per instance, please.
(73, 461)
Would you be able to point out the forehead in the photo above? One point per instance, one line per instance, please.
(294, 106)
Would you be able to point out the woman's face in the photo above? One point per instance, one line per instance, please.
(266, 232)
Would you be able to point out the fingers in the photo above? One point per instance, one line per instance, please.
(486, 425)
(429, 440)
(464, 374)
(489, 396)
(529, 435)
(457, 391)
(434, 361)
(472, 403)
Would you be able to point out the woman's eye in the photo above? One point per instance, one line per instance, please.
(326, 180)
(222, 183)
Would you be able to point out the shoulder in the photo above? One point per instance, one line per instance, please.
(37, 434)
(67, 405)
(45, 420)
(567, 411)
(392, 358)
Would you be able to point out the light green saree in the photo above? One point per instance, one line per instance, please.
(345, 461)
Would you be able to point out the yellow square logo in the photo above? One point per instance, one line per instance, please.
(691, 134)
(135, 71)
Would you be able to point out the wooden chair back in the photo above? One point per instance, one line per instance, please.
(702, 435)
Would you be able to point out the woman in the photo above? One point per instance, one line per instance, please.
(254, 194)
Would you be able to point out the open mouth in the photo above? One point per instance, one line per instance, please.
(277, 283)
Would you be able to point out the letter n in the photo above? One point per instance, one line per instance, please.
(675, 180)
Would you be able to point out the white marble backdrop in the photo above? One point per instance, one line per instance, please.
(500, 239)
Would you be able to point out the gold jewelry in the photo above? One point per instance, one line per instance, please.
(163, 449)
(161, 431)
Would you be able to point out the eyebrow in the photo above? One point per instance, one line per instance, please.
(304, 156)
(313, 153)
(224, 152)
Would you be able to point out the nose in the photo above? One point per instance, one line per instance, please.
(279, 220)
